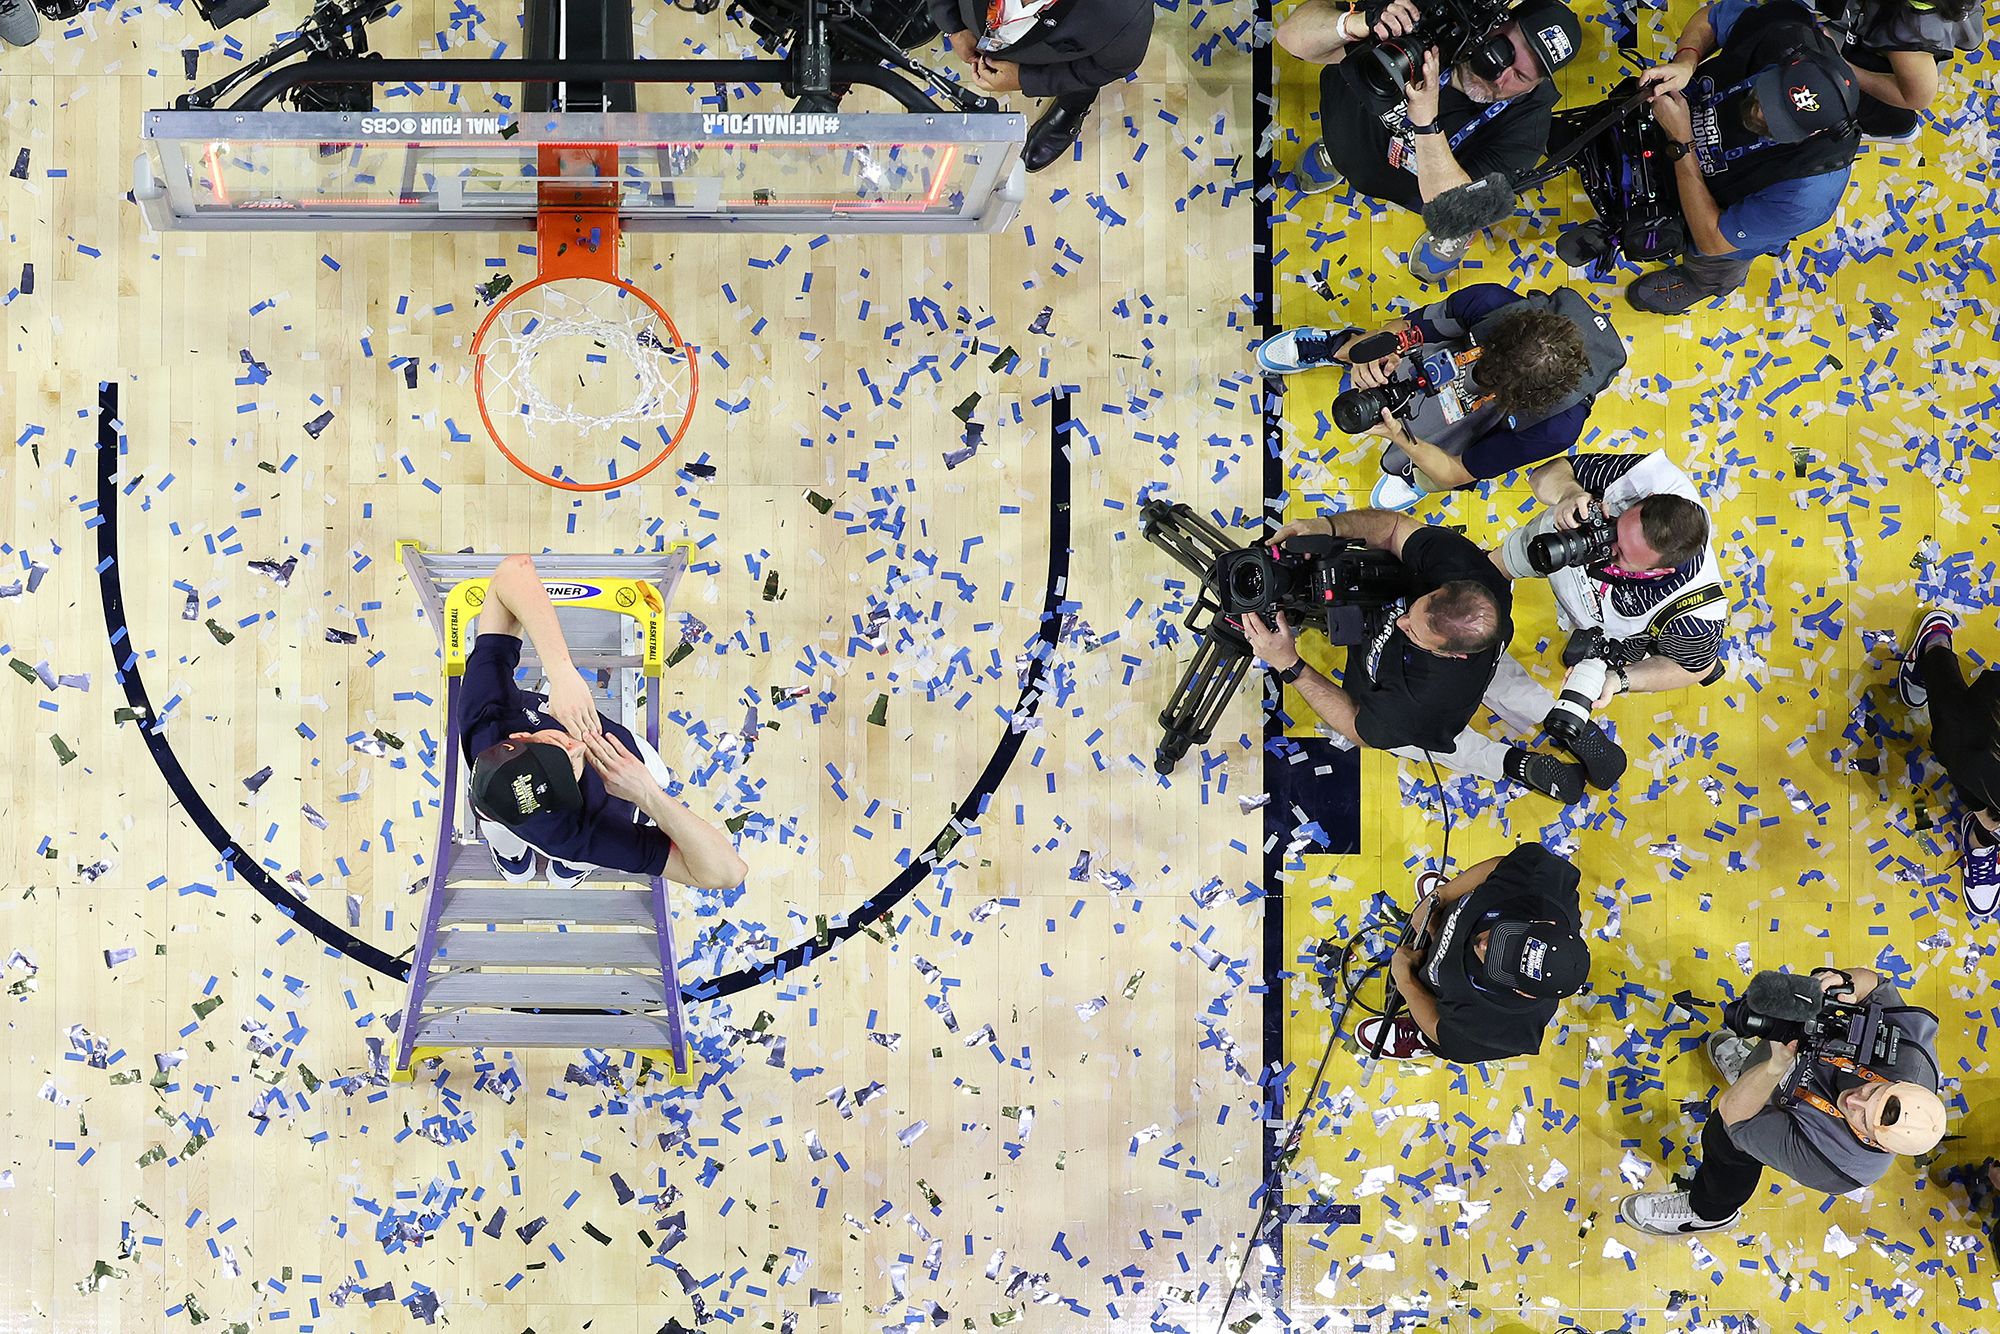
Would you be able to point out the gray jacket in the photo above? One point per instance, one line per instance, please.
(1090, 43)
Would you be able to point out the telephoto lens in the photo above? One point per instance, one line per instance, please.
(1586, 545)
(1358, 410)
(1571, 715)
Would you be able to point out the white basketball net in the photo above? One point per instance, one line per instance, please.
(600, 339)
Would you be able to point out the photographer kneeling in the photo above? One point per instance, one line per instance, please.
(1496, 948)
(1469, 388)
(1850, 1086)
(1624, 544)
(1413, 685)
(1762, 133)
(1400, 131)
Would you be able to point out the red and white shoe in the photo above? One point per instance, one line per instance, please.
(1428, 883)
(1405, 1041)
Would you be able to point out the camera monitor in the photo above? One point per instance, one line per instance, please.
(936, 172)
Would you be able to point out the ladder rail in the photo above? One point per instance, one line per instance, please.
(440, 870)
(663, 918)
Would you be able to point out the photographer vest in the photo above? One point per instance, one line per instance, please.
(1461, 413)
(1587, 599)
(1774, 31)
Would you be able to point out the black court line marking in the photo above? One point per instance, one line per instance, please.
(335, 936)
(110, 585)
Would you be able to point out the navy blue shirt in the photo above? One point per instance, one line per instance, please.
(1505, 447)
(608, 831)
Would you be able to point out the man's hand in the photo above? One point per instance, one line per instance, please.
(996, 76)
(1392, 429)
(1783, 1056)
(1420, 916)
(1422, 92)
(1670, 77)
(963, 44)
(1573, 512)
(1273, 646)
(1397, 19)
(1671, 111)
(571, 704)
(1370, 374)
(1404, 963)
(1304, 528)
(625, 775)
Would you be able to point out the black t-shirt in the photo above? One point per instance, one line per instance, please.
(1367, 139)
(608, 831)
(1404, 696)
(1481, 1020)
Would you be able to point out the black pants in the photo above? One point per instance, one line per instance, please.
(1965, 727)
(1727, 1177)
(1074, 101)
(1879, 118)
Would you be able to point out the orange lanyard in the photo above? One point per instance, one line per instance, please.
(1815, 1100)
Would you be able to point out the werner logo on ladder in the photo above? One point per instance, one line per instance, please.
(554, 778)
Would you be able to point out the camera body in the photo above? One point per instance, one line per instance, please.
(1586, 544)
(1329, 582)
(1358, 410)
(1461, 30)
(1785, 1007)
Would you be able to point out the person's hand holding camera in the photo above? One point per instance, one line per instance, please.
(1403, 964)
(1421, 93)
(1373, 374)
(996, 76)
(1849, 986)
(1783, 1056)
(1574, 511)
(1319, 527)
(1670, 77)
(1396, 18)
(1670, 112)
(1392, 429)
(1274, 645)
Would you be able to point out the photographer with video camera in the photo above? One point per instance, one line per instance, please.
(1493, 951)
(1064, 50)
(1624, 544)
(1421, 96)
(1471, 387)
(1762, 132)
(1828, 1079)
(1429, 659)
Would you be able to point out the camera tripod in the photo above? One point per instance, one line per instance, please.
(1222, 655)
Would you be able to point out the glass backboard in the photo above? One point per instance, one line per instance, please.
(431, 171)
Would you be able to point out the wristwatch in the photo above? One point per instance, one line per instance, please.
(1435, 127)
(1676, 149)
(1624, 679)
(1291, 673)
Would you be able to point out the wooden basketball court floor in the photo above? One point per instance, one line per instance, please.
(1031, 1098)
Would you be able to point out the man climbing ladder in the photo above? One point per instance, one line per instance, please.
(584, 794)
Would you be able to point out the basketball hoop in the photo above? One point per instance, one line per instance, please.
(578, 362)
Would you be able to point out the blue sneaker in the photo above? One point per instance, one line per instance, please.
(1433, 259)
(1315, 173)
(1394, 492)
(515, 870)
(1297, 350)
(564, 876)
(1978, 867)
(1932, 627)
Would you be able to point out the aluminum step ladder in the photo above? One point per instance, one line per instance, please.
(515, 966)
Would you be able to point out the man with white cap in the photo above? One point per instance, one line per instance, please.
(1841, 1128)
(1758, 109)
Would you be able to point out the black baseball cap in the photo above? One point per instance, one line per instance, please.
(1802, 96)
(512, 780)
(1544, 959)
(1552, 31)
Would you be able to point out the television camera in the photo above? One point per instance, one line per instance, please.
(1785, 1007)
(1331, 583)
(1461, 30)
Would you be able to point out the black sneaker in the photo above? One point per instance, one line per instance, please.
(1546, 774)
(1584, 244)
(1603, 759)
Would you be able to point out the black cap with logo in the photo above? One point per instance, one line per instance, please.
(512, 780)
(1544, 959)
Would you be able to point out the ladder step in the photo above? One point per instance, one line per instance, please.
(554, 949)
(473, 864)
(522, 991)
(619, 1032)
(593, 907)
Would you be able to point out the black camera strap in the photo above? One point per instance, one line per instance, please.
(1683, 602)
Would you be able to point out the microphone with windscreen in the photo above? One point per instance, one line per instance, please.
(1466, 209)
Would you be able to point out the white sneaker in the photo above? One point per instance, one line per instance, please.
(1667, 1213)
(1393, 493)
(562, 876)
(1297, 350)
(1729, 1054)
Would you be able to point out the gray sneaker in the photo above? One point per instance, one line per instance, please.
(1315, 173)
(1668, 1213)
(1730, 1055)
(20, 24)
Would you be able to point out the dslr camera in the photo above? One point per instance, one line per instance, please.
(1589, 543)
(1461, 30)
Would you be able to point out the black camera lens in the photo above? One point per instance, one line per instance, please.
(1358, 410)
(1575, 546)
(1388, 68)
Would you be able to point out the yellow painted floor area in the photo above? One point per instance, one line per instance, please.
(1786, 817)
